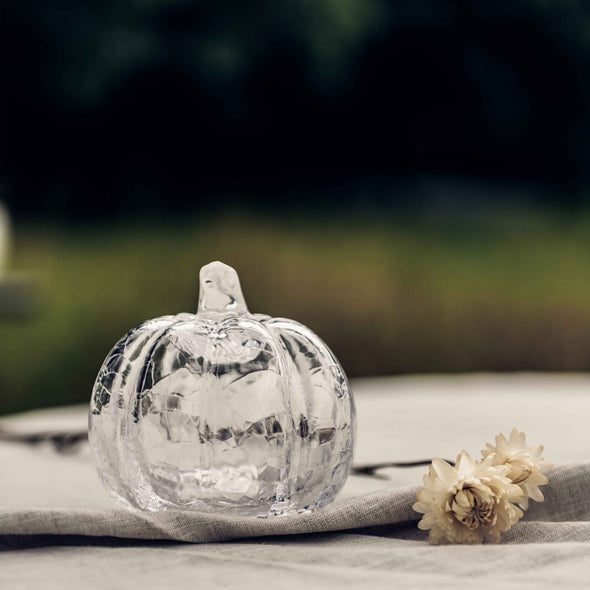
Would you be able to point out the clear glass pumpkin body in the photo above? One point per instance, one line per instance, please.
(222, 411)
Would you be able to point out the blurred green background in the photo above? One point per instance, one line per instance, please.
(410, 180)
(388, 297)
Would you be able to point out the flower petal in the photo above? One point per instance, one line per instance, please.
(502, 445)
(535, 493)
(465, 464)
(447, 473)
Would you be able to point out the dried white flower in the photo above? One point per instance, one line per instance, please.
(468, 502)
(525, 464)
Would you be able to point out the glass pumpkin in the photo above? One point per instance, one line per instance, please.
(222, 411)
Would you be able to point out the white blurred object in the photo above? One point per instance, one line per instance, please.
(16, 291)
(4, 238)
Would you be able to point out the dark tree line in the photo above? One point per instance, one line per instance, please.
(108, 106)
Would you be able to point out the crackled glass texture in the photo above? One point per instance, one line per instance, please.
(222, 411)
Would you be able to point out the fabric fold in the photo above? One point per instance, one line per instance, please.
(567, 499)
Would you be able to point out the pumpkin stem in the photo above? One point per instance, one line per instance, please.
(220, 289)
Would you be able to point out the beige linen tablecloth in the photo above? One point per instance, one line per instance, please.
(59, 529)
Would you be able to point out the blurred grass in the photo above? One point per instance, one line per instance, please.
(387, 295)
